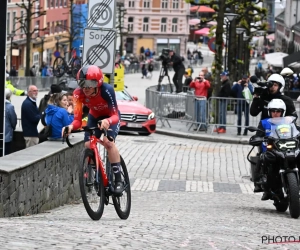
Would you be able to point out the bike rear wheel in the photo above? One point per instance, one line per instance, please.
(59, 67)
(92, 192)
(76, 65)
(122, 203)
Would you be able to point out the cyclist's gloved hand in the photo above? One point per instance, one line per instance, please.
(104, 124)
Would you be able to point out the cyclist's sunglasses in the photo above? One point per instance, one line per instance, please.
(87, 83)
(276, 110)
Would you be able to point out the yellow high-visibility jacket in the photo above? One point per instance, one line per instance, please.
(14, 90)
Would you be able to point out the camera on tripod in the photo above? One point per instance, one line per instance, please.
(164, 57)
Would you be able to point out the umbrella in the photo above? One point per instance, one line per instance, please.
(201, 9)
(271, 37)
(275, 59)
(194, 21)
(203, 32)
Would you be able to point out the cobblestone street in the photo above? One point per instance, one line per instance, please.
(187, 194)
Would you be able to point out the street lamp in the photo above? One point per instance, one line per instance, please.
(239, 32)
(42, 48)
(229, 18)
(11, 36)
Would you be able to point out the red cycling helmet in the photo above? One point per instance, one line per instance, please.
(90, 76)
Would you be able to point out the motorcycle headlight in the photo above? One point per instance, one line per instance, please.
(151, 116)
(284, 145)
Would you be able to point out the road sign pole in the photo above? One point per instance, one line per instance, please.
(113, 57)
(3, 20)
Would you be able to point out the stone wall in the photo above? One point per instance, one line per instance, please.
(39, 178)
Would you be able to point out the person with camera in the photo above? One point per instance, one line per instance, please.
(273, 88)
(201, 87)
(179, 69)
(238, 91)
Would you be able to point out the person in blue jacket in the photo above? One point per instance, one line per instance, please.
(10, 122)
(276, 108)
(58, 114)
(242, 105)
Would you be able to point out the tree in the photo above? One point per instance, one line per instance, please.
(121, 12)
(31, 12)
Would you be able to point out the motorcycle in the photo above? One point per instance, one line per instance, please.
(279, 163)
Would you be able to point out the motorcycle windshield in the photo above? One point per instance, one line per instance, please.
(283, 127)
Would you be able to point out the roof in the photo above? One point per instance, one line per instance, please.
(280, 17)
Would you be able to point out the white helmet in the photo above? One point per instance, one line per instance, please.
(277, 104)
(279, 79)
(286, 72)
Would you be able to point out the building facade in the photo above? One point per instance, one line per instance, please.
(287, 25)
(156, 24)
(53, 34)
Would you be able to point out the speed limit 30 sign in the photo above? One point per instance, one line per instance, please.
(101, 14)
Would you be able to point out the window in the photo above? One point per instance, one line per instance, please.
(14, 22)
(174, 25)
(130, 23)
(49, 28)
(22, 16)
(163, 25)
(146, 24)
(164, 4)
(175, 4)
(131, 4)
(146, 3)
(57, 3)
(8, 23)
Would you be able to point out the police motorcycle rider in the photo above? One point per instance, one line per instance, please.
(276, 108)
(272, 89)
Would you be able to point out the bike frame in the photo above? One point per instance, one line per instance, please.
(99, 163)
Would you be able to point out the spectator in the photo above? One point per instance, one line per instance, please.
(222, 104)
(144, 69)
(10, 122)
(201, 87)
(150, 68)
(30, 117)
(179, 70)
(208, 77)
(58, 114)
(44, 102)
(188, 80)
(242, 106)
(13, 71)
(32, 75)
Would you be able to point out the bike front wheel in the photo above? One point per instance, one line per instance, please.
(122, 203)
(59, 67)
(92, 191)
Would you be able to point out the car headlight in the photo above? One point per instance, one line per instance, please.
(151, 116)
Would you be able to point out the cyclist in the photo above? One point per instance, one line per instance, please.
(100, 98)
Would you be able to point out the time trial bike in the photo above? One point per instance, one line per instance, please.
(96, 179)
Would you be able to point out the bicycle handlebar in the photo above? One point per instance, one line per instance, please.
(84, 129)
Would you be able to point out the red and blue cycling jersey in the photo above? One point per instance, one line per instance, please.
(104, 104)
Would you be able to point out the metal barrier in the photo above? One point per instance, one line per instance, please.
(168, 106)
(40, 82)
(231, 112)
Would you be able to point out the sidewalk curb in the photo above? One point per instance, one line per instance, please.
(204, 137)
